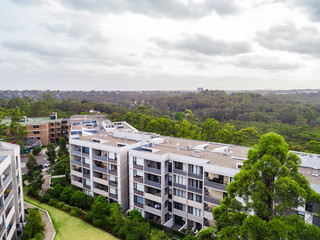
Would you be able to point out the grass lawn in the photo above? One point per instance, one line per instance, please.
(68, 227)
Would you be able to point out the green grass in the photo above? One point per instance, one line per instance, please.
(68, 227)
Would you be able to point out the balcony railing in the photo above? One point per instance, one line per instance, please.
(180, 172)
(138, 192)
(7, 180)
(139, 167)
(8, 198)
(1, 210)
(113, 172)
(86, 165)
(76, 152)
(195, 175)
(178, 185)
(2, 229)
(86, 175)
(138, 179)
(194, 189)
(115, 161)
(152, 183)
(113, 196)
(85, 154)
(152, 170)
(139, 205)
(212, 200)
(215, 185)
(86, 186)
(100, 169)
(77, 163)
(104, 159)
(113, 183)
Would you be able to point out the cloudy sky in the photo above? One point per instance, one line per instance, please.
(159, 44)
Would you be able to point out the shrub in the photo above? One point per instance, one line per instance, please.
(56, 190)
(34, 227)
(53, 202)
(77, 199)
(89, 216)
(66, 208)
(131, 236)
(73, 212)
(97, 222)
(36, 150)
(61, 205)
(66, 194)
(45, 198)
(122, 232)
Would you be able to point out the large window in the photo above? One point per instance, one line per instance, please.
(180, 206)
(178, 165)
(138, 186)
(180, 179)
(179, 193)
(195, 197)
(138, 199)
(194, 211)
(113, 191)
(195, 183)
(195, 169)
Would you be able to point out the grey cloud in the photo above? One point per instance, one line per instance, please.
(266, 63)
(205, 45)
(287, 37)
(156, 8)
(30, 2)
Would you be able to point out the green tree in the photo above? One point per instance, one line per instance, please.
(63, 150)
(206, 234)
(209, 129)
(34, 227)
(51, 153)
(270, 185)
(66, 195)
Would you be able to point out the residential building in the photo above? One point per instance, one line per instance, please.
(11, 194)
(175, 182)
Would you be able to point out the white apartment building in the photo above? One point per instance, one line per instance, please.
(11, 195)
(175, 182)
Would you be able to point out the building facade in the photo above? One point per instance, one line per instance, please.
(11, 194)
(175, 182)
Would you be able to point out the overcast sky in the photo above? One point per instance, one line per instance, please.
(159, 44)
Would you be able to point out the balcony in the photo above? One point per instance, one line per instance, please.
(139, 205)
(113, 172)
(195, 175)
(152, 170)
(8, 197)
(1, 209)
(114, 161)
(75, 152)
(11, 230)
(101, 180)
(100, 169)
(77, 183)
(7, 180)
(213, 200)
(76, 173)
(138, 179)
(152, 183)
(87, 176)
(138, 167)
(113, 184)
(86, 186)
(85, 154)
(113, 196)
(178, 185)
(2, 229)
(103, 159)
(195, 189)
(180, 172)
(152, 210)
(77, 163)
(138, 192)
(101, 191)
(179, 212)
(86, 165)
(215, 185)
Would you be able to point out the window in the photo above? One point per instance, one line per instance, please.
(86, 171)
(35, 126)
(179, 193)
(180, 179)
(137, 173)
(239, 165)
(36, 132)
(113, 191)
(179, 206)
(138, 186)
(309, 207)
(195, 169)
(137, 161)
(38, 138)
(195, 183)
(138, 199)
(112, 155)
(195, 197)
(194, 211)
(113, 178)
(87, 182)
(85, 150)
(178, 165)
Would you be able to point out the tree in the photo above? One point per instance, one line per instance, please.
(66, 195)
(63, 150)
(34, 226)
(78, 199)
(51, 153)
(270, 185)
(206, 234)
(159, 235)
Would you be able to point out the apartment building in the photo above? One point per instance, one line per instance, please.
(175, 182)
(99, 159)
(11, 195)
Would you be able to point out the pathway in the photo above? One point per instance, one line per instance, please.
(50, 232)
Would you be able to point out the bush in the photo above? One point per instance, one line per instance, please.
(131, 236)
(74, 213)
(97, 222)
(36, 150)
(66, 208)
(56, 190)
(66, 195)
(61, 205)
(89, 216)
(45, 198)
(122, 232)
(34, 228)
(53, 202)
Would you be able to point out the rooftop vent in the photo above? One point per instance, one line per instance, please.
(315, 172)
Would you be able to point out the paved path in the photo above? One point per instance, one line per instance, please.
(49, 228)
(46, 184)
